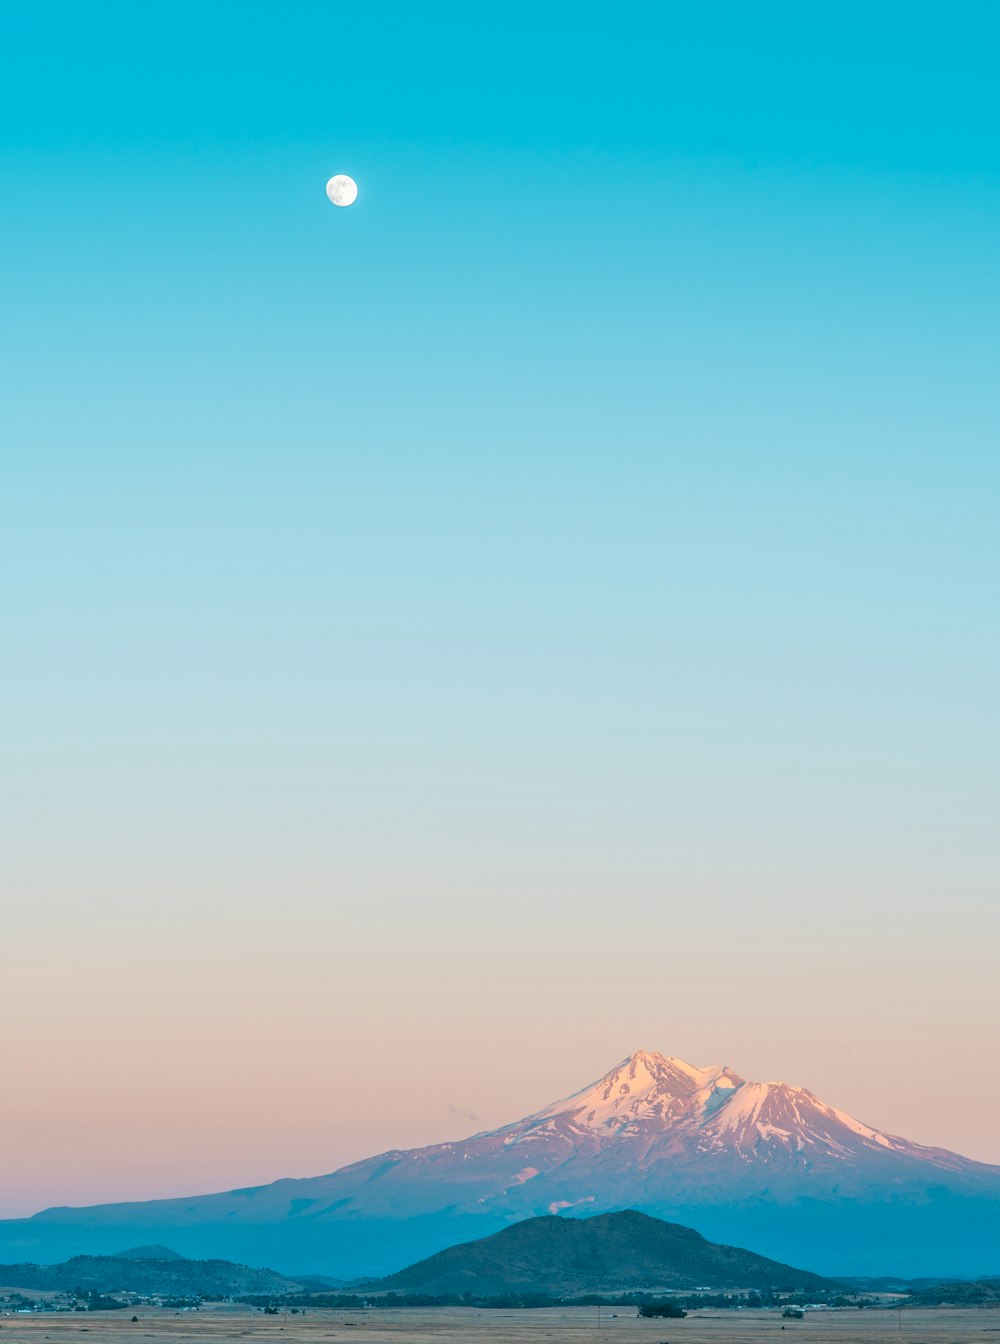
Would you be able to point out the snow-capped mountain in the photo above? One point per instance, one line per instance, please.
(664, 1107)
(763, 1165)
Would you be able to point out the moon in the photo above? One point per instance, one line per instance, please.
(342, 190)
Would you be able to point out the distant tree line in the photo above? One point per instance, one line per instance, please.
(512, 1301)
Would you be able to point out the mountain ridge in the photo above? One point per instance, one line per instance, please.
(127, 1271)
(761, 1164)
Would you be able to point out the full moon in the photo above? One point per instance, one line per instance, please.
(342, 190)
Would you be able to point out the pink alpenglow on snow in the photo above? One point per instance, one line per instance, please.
(758, 1164)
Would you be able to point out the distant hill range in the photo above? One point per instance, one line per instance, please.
(550, 1256)
(980, 1293)
(753, 1164)
(608, 1253)
(150, 1270)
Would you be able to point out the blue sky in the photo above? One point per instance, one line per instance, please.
(588, 538)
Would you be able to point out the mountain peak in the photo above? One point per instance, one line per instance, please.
(660, 1066)
(655, 1063)
(644, 1090)
(655, 1132)
(662, 1106)
(669, 1073)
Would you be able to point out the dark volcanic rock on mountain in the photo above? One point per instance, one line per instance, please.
(610, 1252)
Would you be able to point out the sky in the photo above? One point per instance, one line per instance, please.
(545, 610)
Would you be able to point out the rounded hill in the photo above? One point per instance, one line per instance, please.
(609, 1252)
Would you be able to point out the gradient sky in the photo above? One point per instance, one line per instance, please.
(546, 610)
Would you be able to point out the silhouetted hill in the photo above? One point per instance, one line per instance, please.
(978, 1293)
(609, 1252)
(150, 1270)
(766, 1165)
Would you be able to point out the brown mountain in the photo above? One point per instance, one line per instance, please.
(609, 1252)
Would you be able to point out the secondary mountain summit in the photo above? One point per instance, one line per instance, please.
(763, 1165)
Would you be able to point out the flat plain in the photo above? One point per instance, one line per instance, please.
(455, 1325)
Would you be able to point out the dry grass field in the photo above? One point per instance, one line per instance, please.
(455, 1325)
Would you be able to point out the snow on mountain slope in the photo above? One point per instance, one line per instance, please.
(661, 1105)
(764, 1165)
(645, 1089)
